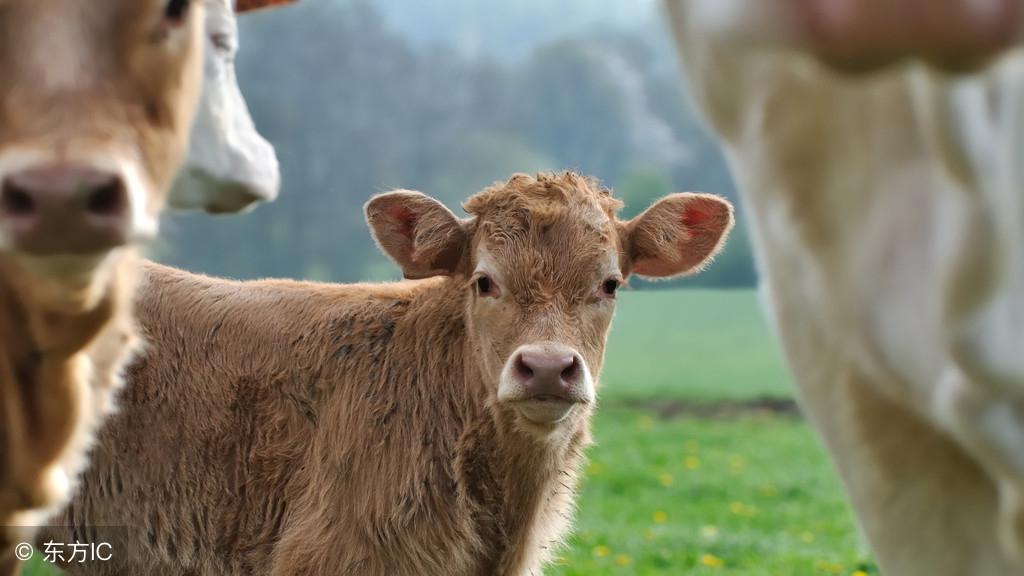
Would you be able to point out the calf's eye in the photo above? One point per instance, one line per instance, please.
(176, 10)
(486, 287)
(609, 287)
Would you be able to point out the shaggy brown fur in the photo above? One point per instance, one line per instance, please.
(290, 428)
(112, 79)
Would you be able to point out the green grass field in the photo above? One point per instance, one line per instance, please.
(752, 494)
(693, 344)
(752, 497)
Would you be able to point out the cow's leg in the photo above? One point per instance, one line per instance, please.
(980, 398)
(41, 417)
(55, 414)
(991, 426)
(56, 399)
(925, 506)
(12, 442)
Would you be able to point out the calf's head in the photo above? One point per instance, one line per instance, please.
(95, 109)
(541, 260)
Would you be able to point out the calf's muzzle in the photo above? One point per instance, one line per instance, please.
(548, 373)
(545, 381)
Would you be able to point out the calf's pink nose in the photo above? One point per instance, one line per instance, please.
(548, 372)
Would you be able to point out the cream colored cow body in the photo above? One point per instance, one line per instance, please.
(887, 214)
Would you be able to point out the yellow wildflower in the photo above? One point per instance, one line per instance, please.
(711, 561)
(741, 509)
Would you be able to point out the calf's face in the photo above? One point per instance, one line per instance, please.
(541, 261)
(95, 107)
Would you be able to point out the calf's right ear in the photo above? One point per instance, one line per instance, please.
(419, 233)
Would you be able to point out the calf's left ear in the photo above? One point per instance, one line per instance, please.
(677, 235)
(419, 233)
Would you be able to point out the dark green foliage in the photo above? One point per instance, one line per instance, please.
(358, 103)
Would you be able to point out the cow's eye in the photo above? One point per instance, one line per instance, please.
(485, 286)
(609, 287)
(176, 10)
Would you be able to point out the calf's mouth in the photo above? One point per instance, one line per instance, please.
(545, 382)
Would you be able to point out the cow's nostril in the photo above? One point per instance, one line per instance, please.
(572, 370)
(16, 202)
(523, 369)
(107, 200)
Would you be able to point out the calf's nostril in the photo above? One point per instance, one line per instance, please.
(107, 199)
(523, 369)
(572, 370)
(16, 202)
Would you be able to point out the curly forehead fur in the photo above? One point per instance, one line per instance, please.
(542, 199)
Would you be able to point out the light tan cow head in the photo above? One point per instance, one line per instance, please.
(95, 109)
(96, 101)
(95, 106)
(541, 260)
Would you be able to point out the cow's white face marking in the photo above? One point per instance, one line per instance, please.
(230, 166)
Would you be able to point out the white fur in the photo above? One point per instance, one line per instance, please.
(229, 166)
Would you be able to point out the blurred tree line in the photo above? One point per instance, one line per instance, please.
(447, 97)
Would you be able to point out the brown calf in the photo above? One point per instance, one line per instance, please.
(433, 426)
(96, 103)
